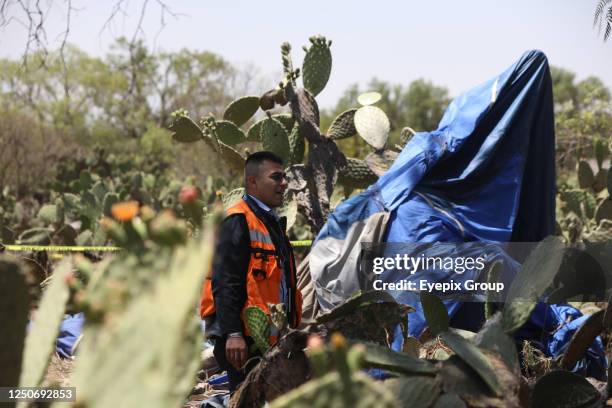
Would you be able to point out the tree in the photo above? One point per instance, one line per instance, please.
(602, 16)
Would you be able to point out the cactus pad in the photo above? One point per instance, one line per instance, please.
(330, 391)
(286, 119)
(317, 65)
(274, 138)
(380, 162)
(228, 133)
(14, 310)
(50, 214)
(289, 210)
(40, 341)
(109, 200)
(473, 357)
(36, 236)
(343, 125)
(600, 180)
(572, 200)
(254, 132)
(586, 178)
(231, 156)
(369, 98)
(373, 126)
(241, 110)
(297, 146)
(258, 324)
(356, 174)
(185, 130)
(601, 151)
(232, 197)
(435, 312)
(604, 211)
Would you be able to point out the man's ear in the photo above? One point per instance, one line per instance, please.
(251, 181)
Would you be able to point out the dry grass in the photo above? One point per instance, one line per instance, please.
(59, 371)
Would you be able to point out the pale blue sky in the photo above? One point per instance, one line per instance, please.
(456, 44)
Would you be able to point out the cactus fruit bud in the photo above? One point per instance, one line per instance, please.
(338, 340)
(280, 98)
(315, 342)
(266, 102)
(188, 195)
(147, 213)
(125, 211)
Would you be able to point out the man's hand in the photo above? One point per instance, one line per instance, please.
(236, 351)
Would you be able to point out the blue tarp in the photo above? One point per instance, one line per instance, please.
(486, 174)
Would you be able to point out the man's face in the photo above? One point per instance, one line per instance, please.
(269, 185)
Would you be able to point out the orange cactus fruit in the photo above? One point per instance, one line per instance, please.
(125, 211)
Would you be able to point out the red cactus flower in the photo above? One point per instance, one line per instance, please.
(188, 195)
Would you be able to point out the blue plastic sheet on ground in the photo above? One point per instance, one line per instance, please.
(70, 330)
(486, 174)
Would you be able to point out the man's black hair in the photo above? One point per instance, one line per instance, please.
(251, 166)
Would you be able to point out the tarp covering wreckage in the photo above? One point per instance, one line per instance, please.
(485, 175)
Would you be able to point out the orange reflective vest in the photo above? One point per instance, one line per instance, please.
(263, 275)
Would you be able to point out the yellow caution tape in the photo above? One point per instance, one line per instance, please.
(66, 248)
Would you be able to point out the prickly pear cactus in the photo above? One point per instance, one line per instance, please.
(274, 138)
(317, 65)
(169, 361)
(356, 174)
(241, 110)
(258, 324)
(344, 387)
